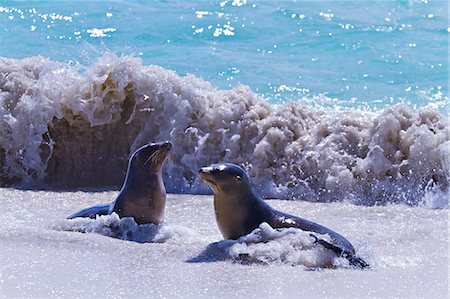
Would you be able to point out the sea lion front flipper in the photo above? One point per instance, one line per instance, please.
(91, 212)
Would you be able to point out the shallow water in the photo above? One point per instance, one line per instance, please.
(406, 247)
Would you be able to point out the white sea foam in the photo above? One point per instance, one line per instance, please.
(264, 245)
(406, 247)
(69, 127)
(125, 229)
(288, 246)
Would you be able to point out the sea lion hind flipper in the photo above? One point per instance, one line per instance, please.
(353, 260)
(92, 212)
(339, 244)
(357, 262)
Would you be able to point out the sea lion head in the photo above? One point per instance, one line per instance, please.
(224, 177)
(235, 203)
(151, 156)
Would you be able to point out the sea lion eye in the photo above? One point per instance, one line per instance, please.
(238, 177)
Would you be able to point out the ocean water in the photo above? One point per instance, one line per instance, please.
(365, 54)
(338, 110)
(318, 100)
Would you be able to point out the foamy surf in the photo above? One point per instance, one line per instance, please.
(125, 229)
(68, 127)
(266, 245)
(406, 247)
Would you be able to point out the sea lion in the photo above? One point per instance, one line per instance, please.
(143, 195)
(239, 210)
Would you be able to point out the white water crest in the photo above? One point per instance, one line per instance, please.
(72, 127)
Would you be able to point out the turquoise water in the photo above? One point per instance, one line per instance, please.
(346, 54)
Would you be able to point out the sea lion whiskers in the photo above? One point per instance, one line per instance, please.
(204, 174)
(170, 158)
(157, 158)
(208, 182)
(152, 157)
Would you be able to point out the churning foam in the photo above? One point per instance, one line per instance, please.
(125, 229)
(288, 246)
(264, 245)
(67, 127)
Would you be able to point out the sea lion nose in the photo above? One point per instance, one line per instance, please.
(205, 169)
(167, 145)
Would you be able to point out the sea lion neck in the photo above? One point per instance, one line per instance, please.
(236, 195)
(146, 177)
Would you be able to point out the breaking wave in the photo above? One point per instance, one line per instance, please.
(73, 127)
